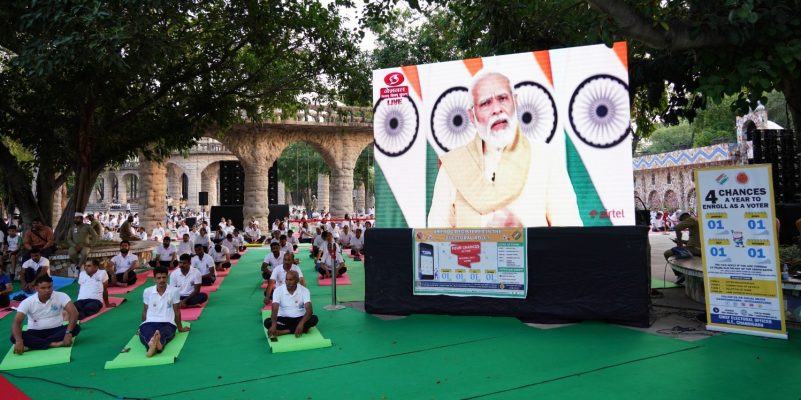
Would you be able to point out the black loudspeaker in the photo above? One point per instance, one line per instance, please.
(272, 184)
(778, 147)
(234, 213)
(277, 211)
(191, 221)
(232, 183)
(203, 198)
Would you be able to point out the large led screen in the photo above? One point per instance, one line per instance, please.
(530, 139)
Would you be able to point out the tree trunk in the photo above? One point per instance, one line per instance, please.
(84, 182)
(791, 88)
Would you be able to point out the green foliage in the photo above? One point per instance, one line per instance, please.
(776, 106)
(670, 138)
(299, 165)
(364, 171)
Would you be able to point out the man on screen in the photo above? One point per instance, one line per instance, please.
(500, 178)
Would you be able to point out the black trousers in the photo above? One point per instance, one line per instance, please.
(235, 256)
(5, 301)
(290, 324)
(198, 298)
(208, 280)
(165, 264)
(131, 278)
(40, 339)
(88, 307)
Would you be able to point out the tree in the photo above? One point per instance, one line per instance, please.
(670, 138)
(300, 164)
(88, 82)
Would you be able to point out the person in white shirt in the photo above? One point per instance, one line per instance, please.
(203, 239)
(166, 255)
(205, 264)
(331, 259)
(45, 311)
(231, 244)
(123, 266)
(14, 244)
(187, 281)
(292, 240)
(161, 315)
(93, 292)
(253, 234)
(318, 243)
(278, 277)
(306, 235)
(32, 269)
(158, 232)
(272, 260)
(357, 245)
(292, 309)
(183, 229)
(332, 227)
(141, 233)
(186, 246)
(239, 240)
(344, 238)
(221, 257)
(285, 246)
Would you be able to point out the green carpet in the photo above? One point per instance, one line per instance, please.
(661, 284)
(419, 357)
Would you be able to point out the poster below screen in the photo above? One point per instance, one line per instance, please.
(742, 278)
(470, 262)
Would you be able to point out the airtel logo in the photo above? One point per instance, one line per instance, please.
(394, 79)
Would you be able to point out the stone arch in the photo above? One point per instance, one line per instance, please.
(671, 200)
(654, 202)
(639, 204)
(174, 184)
(115, 188)
(312, 187)
(210, 182)
(129, 186)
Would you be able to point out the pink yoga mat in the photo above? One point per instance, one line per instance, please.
(342, 280)
(213, 287)
(223, 273)
(192, 314)
(264, 284)
(112, 300)
(140, 280)
(10, 309)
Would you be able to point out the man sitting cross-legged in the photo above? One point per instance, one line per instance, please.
(123, 266)
(32, 269)
(231, 244)
(93, 293)
(166, 255)
(45, 311)
(292, 309)
(292, 240)
(272, 260)
(221, 257)
(357, 244)
(205, 264)
(187, 281)
(161, 315)
(331, 259)
(278, 277)
(186, 246)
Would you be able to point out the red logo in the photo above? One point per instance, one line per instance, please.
(394, 79)
(742, 178)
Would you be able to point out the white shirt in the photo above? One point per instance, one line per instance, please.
(165, 254)
(331, 261)
(159, 307)
(157, 234)
(287, 248)
(204, 264)
(92, 286)
(357, 242)
(43, 263)
(185, 284)
(274, 261)
(14, 242)
(186, 247)
(183, 229)
(239, 240)
(123, 263)
(547, 196)
(292, 240)
(202, 240)
(229, 245)
(218, 257)
(291, 305)
(319, 241)
(279, 274)
(45, 315)
(345, 239)
(253, 233)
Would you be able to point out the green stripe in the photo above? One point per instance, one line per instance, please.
(586, 193)
(387, 212)
(432, 169)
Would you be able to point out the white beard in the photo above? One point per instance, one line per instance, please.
(498, 139)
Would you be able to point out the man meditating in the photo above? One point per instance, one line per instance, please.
(331, 259)
(32, 269)
(93, 292)
(231, 244)
(221, 257)
(187, 281)
(205, 264)
(166, 255)
(278, 277)
(45, 311)
(292, 309)
(272, 260)
(161, 315)
(80, 239)
(123, 266)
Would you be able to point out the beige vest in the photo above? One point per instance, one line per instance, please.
(475, 195)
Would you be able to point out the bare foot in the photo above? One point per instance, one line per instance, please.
(57, 344)
(121, 284)
(152, 345)
(159, 346)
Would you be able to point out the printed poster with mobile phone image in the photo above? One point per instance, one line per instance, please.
(470, 262)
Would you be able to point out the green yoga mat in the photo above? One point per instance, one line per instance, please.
(286, 343)
(660, 284)
(137, 357)
(36, 358)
